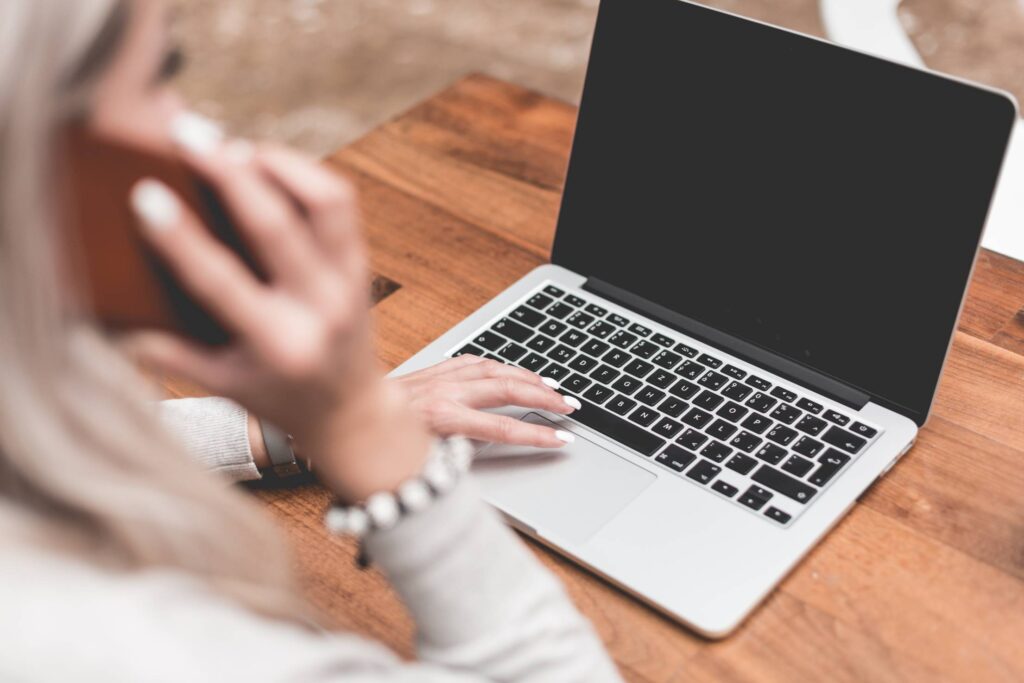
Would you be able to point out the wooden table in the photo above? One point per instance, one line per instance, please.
(924, 580)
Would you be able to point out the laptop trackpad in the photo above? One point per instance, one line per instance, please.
(566, 493)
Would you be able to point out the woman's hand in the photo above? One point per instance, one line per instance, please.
(450, 397)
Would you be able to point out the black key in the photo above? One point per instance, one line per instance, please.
(512, 352)
(782, 435)
(512, 330)
(640, 329)
(594, 347)
(758, 383)
(644, 416)
(645, 349)
(561, 353)
(778, 515)
(552, 328)
(762, 403)
(489, 341)
(838, 418)
(594, 309)
(831, 462)
(605, 374)
(684, 390)
(771, 453)
(811, 425)
(840, 438)
(638, 368)
(667, 359)
(580, 320)
(783, 483)
(698, 418)
(687, 351)
(734, 372)
(713, 380)
(597, 394)
(673, 406)
(621, 405)
(622, 339)
(755, 497)
(746, 442)
(732, 412)
(716, 451)
(667, 428)
(582, 363)
(785, 394)
(627, 384)
(727, 490)
(703, 471)
(708, 400)
(863, 430)
(675, 458)
(576, 383)
(741, 463)
(616, 358)
(560, 310)
(650, 396)
(540, 343)
(691, 370)
(617, 429)
(554, 371)
(709, 361)
(720, 429)
(471, 350)
(574, 300)
(572, 338)
(553, 291)
(691, 439)
(805, 445)
(797, 466)
(756, 423)
(662, 379)
(618, 320)
(601, 329)
(786, 414)
(527, 316)
(809, 405)
(659, 338)
(737, 391)
(539, 301)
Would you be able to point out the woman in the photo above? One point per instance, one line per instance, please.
(122, 560)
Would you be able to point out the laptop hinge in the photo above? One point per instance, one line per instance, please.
(800, 374)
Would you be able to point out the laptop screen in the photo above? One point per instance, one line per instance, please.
(817, 202)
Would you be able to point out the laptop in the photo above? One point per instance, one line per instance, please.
(762, 251)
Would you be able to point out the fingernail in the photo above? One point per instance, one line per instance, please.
(240, 152)
(565, 436)
(155, 204)
(553, 383)
(196, 133)
(573, 402)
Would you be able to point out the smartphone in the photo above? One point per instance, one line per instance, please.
(126, 285)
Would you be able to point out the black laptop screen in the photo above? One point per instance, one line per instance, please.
(814, 201)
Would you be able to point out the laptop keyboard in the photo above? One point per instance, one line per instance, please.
(705, 417)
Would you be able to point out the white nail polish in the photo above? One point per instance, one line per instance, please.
(155, 204)
(240, 152)
(196, 133)
(573, 402)
(565, 436)
(553, 383)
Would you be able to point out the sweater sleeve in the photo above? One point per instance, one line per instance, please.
(216, 431)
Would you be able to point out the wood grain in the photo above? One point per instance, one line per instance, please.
(922, 581)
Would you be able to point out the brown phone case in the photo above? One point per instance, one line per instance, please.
(128, 287)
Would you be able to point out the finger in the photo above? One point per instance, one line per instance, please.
(172, 355)
(495, 393)
(488, 368)
(205, 267)
(503, 429)
(442, 367)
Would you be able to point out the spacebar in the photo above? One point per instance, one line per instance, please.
(617, 429)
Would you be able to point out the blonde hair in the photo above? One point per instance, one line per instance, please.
(84, 465)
